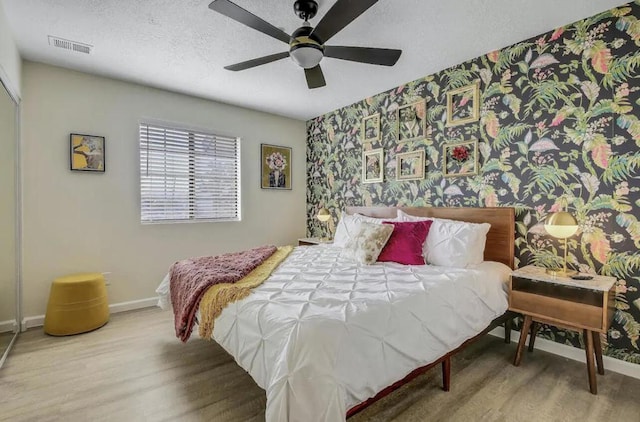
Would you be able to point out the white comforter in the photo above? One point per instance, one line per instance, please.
(323, 334)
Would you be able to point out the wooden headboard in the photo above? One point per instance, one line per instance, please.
(500, 239)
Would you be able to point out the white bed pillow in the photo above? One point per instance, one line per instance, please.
(452, 243)
(349, 225)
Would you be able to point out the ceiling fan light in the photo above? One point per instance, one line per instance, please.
(306, 56)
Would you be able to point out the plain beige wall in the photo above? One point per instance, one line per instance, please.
(76, 222)
(10, 61)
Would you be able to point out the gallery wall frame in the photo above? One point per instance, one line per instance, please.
(370, 128)
(410, 165)
(463, 105)
(460, 159)
(411, 121)
(373, 166)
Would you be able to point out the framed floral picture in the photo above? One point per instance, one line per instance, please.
(275, 167)
(373, 166)
(411, 121)
(370, 130)
(86, 153)
(463, 105)
(460, 159)
(410, 165)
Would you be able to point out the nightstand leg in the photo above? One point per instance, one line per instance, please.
(598, 346)
(524, 330)
(588, 341)
(532, 336)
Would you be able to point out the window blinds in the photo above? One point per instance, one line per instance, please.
(187, 175)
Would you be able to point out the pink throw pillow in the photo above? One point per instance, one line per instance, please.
(406, 242)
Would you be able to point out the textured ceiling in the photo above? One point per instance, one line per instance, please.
(182, 45)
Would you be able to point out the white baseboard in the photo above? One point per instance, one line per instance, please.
(114, 308)
(573, 353)
(133, 305)
(8, 326)
(31, 322)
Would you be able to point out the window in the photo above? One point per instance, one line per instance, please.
(188, 175)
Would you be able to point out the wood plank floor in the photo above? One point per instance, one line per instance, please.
(5, 339)
(133, 369)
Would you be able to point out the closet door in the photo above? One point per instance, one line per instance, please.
(8, 221)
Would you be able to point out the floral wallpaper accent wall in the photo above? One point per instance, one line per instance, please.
(559, 118)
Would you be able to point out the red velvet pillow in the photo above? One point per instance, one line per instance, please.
(405, 244)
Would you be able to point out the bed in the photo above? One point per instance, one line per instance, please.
(325, 336)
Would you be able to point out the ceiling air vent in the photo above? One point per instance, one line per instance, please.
(70, 45)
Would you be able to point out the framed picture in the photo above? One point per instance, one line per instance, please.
(373, 166)
(411, 121)
(370, 130)
(275, 167)
(86, 153)
(460, 159)
(463, 105)
(410, 165)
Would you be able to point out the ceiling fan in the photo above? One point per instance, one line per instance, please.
(307, 44)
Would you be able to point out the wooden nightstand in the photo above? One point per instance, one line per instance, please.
(312, 241)
(582, 305)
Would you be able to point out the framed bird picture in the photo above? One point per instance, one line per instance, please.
(87, 153)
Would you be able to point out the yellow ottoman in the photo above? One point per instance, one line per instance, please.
(77, 304)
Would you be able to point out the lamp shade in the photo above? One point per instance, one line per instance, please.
(323, 215)
(561, 225)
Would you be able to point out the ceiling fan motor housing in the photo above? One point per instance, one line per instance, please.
(305, 48)
(305, 9)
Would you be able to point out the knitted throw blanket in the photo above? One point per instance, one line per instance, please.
(219, 296)
(190, 279)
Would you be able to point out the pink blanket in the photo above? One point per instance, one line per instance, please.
(190, 279)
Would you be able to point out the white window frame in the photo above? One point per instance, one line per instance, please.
(199, 131)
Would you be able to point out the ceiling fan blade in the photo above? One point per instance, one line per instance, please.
(381, 56)
(340, 15)
(315, 77)
(257, 62)
(239, 14)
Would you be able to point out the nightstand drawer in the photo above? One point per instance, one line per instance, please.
(558, 310)
(558, 291)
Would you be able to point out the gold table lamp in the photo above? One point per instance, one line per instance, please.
(324, 215)
(561, 225)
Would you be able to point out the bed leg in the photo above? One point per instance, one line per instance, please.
(507, 330)
(446, 373)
